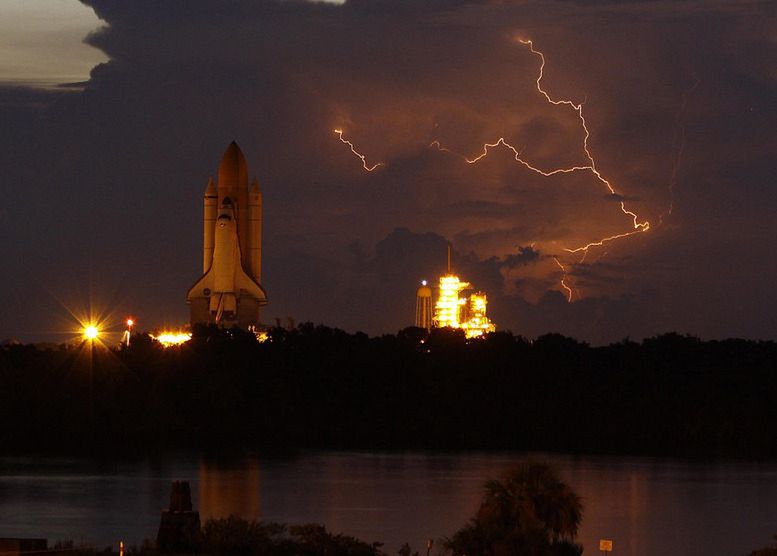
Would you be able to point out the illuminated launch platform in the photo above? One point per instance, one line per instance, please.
(230, 293)
(452, 309)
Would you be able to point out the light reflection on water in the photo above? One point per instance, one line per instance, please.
(646, 506)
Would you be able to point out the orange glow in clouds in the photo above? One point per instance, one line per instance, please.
(564, 279)
(589, 165)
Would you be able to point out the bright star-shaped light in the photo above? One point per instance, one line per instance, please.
(91, 332)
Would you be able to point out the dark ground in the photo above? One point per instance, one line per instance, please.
(317, 387)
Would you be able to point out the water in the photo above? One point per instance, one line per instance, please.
(647, 506)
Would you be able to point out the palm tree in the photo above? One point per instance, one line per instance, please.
(530, 512)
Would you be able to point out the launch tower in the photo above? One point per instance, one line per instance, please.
(454, 310)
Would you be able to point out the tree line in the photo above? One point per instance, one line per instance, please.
(317, 387)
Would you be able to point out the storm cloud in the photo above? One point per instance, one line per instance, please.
(102, 184)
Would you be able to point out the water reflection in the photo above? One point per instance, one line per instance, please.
(227, 489)
(646, 506)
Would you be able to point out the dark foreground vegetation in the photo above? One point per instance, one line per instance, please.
(235, 536)
(316, 387)
(766, 551)
(528, 512)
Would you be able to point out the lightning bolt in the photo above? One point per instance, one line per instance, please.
(563, 279)
(363, 158)
(517, 154)
(578, 108)
(637, 225)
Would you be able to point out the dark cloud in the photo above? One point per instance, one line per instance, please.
(524, 256)
(103, 184)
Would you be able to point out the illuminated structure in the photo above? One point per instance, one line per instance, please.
(476, 322)
(456, 311)
(170, 338)
(230, 292)
(423, 307)
(125, 338)
(447, 310)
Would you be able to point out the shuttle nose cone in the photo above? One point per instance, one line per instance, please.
(232, 169)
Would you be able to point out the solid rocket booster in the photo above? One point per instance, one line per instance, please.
(209, 222)
(255, 230)
(230, 293)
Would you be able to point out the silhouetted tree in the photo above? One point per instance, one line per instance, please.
(530, 512)
(236, 536)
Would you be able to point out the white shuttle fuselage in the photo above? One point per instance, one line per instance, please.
(230, 293)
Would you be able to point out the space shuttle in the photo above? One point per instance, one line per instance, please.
(230, 293)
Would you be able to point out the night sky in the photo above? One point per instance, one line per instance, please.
(102, 182)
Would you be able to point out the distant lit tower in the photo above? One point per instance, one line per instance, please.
(125, 339)
(477, 323)
(423, 307)
(455, 310)
(447, 310)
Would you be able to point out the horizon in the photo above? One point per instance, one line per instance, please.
(372, 160)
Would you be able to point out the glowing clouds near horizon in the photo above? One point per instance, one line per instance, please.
(576, 252)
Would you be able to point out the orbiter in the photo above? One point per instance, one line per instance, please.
(230, 293)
